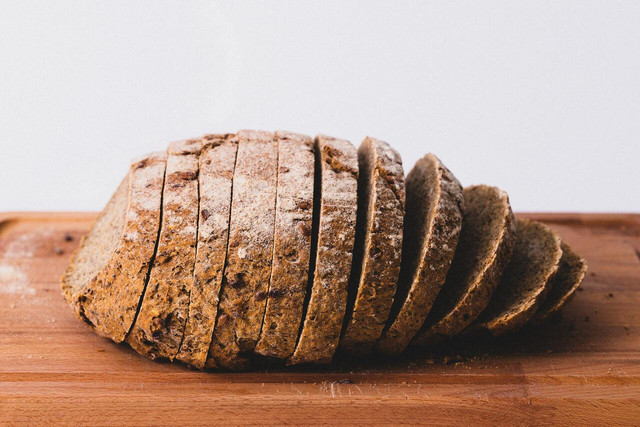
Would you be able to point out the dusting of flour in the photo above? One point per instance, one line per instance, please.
(14, 282)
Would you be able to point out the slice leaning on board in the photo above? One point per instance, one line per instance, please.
(239, 248)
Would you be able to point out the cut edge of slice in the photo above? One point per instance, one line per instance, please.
(432, 227)
(469, 287)
(525, 282)
(378, 245)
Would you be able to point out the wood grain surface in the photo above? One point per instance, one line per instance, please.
(582, 368)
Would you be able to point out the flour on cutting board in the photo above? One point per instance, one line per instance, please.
(24, 245)
(14, 282)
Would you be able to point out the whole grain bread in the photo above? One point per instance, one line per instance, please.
(484, 249)
(564, 283)
(246, 275)
(335, 207)
(107, 274)
(217, 162)
(159, 326)
(432, 225)
(378, 245)
(526, 280)
(234, 246)
(292, 246)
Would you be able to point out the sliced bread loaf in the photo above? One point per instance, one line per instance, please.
(525, 282)
(217, 162)
(378, 245)
(159, 326)
(432, 226)
(292, 246)
(246, 275)
(564, 283)
(107, 274)
(485, 247)
(335, 207)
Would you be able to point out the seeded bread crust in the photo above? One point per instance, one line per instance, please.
(482, 256)
(108, 300)
(292, 246)
(526, 281)
(564, 283)
(338, 163)
(246, 276)
(433, 221)
(378, 247)
(159, 327)
(217, 162)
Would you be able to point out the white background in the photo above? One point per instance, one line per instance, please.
(540, 98)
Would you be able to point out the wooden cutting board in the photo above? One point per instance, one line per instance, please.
(584, 368)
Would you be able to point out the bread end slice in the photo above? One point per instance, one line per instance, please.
(106, 277)
(526, 280)
(564, 283)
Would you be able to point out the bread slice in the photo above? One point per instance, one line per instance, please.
(485, 247)
(525, 282)
(107, 274)
(159, 326)
(292, 246)
(564, 283)
(378, 245)
(246, 276)
(217, 162)
(335, 208)
(432, 226)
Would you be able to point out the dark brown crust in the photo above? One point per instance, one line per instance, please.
(246, 276)
(478, 293)
(292, 246)
(336, 231)
(159, 326)
(564, 283)
(217, 162)
(109, 302)
(378, 250)
(434, 246)
(501, 317)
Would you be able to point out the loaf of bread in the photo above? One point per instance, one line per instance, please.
(228, 250)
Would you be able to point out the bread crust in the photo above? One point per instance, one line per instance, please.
(473, 290)
(246, 276)
(528, 275)
(325, 311)
(378, 250)
(109, 301)
(159, 326)
(433, 245)
(292, 246)
(564, 283)
(216, 163)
